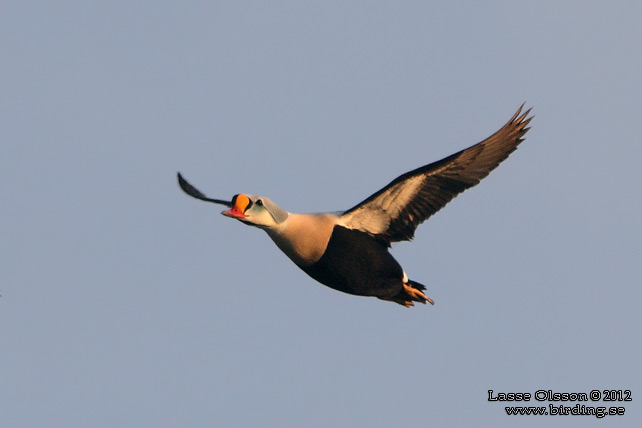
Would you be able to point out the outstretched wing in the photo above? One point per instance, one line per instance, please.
(394, 212)
(195, 193)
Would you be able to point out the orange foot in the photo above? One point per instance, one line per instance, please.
(416, 295)
(408, 295)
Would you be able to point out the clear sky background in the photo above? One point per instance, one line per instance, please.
(126, 303)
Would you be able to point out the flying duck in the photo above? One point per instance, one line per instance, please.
(348, 251)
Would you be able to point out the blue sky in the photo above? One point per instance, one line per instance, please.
(127, 303)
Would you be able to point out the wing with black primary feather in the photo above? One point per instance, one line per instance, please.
(394, 212)
(195, 193)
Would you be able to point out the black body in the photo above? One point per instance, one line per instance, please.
(356, 263)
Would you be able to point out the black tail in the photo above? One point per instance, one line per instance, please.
(415, 284)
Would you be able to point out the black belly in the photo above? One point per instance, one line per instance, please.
(357, 263)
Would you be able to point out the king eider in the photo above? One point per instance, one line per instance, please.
(348, 251)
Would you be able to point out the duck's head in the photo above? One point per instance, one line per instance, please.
(256, 211)
(253, 210)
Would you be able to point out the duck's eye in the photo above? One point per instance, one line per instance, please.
(259, 202)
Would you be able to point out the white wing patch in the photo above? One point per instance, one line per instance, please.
(374, 217)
